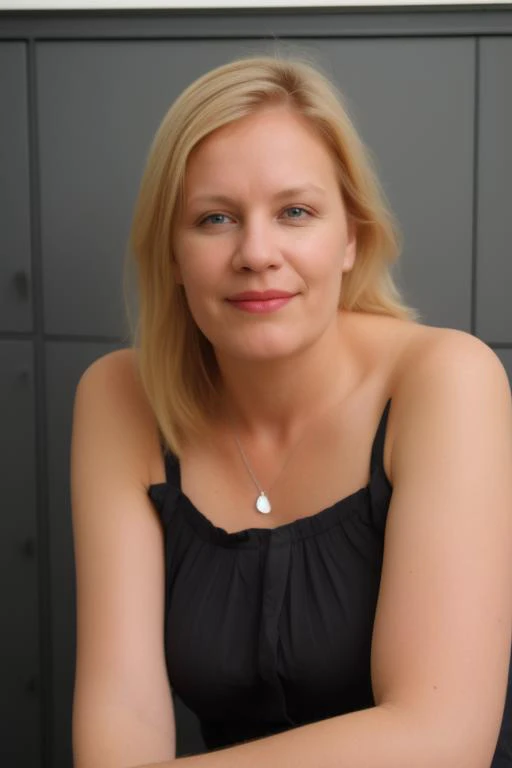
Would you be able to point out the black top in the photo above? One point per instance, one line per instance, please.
(269, 629)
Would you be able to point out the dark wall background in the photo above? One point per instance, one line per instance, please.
(81, 95)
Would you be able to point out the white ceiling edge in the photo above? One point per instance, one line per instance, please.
(58, 5)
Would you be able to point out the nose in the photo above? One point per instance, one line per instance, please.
(257, 247)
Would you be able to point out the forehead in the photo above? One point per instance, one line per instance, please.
(269, 144)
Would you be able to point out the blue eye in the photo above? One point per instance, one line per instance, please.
(296, 209)
(214, 218)
(295, 212)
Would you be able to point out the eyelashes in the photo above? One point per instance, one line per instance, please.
(218, 219)
(299, 208)
(210, 219)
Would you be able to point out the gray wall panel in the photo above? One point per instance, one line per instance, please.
(15, 276)
(65, 363)
(20, 744)
(102, 84)
(89, 92)
(505, 356)
(99, 106)
(413, 103)
(494, 282)
(470, 18)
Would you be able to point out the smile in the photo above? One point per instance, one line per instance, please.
(260, 302)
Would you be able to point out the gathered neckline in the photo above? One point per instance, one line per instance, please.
(294, 530)
(169, 497)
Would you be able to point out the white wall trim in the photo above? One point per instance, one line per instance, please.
(61, 5)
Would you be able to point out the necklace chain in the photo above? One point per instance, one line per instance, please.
(248, 466)
(262, 502)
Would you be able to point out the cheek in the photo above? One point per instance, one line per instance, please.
(189, 266)
(195, 290)
(199, 286)
(324, 260)
(199, 260)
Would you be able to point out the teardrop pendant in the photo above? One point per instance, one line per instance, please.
(263, 504)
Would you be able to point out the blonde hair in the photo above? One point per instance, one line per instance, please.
(176, 363)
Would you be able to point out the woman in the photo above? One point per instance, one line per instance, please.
(291, 500)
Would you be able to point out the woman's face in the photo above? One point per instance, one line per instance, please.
(262, 239)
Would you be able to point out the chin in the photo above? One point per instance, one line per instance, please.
(270, 350)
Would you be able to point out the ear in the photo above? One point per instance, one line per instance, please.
(349, 256)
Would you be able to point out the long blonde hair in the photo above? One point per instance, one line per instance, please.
(176, 363)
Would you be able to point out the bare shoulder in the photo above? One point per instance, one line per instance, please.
(111, 385)
(113, 366)
(433, 376)
(452, 379)
(121, 683)
(448, 552)
(442, 359)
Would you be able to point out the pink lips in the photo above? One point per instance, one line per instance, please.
(260, 301)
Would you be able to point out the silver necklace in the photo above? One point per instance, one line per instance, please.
(262, 502)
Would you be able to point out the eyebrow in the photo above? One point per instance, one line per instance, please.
(289, 192)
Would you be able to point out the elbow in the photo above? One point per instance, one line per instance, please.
(448, 739)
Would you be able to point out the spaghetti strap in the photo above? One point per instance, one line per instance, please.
(172, 469)
(377, 457)
(172, 465)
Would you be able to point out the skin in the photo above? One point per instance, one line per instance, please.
(306, 370)
(299, 385)
(262, 237)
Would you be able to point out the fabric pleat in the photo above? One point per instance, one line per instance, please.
(270, 629)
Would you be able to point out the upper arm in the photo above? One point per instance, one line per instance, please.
(443, 625)
(122, 708)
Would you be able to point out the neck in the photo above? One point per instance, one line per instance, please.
(278, 396)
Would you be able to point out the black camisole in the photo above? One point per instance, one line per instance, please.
(269, 629)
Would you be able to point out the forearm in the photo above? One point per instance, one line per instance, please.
(379, 737)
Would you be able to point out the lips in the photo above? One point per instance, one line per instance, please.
(260, 295)
(260, 302)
